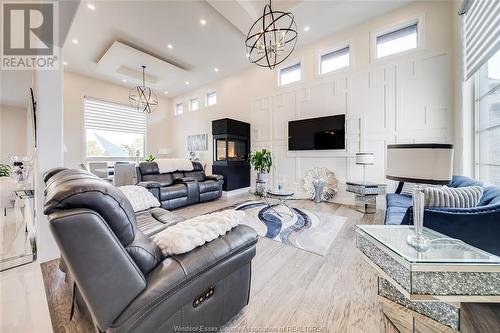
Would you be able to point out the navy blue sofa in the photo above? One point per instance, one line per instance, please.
(478, 226)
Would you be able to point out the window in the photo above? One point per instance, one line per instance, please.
(334, 60)
(211, 98)
(113, 131)
(396, 41)
(179, 109)
(487, 121)
(193, 104)
(289, 75)
(480, 34)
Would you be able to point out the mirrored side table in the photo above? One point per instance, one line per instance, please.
(365, 199)
(431, 287)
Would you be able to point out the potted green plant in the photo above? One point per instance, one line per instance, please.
(261, 161)
(150, 158)
(5, 170)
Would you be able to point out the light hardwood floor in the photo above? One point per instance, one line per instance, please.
(290, 287)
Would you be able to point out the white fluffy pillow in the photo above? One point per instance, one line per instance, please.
(139, 197)
(188, 234)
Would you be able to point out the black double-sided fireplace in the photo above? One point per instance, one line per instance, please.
(231, 147)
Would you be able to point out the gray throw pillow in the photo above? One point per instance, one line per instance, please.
(453, 197)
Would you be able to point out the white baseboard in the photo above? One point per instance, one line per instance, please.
(226, 194)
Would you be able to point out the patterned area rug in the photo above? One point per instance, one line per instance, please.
(303, 229)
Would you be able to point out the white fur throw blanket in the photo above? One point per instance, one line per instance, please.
(174, 164)
(186, 235)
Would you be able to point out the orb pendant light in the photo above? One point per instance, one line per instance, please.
(271, 38)
(143, 98)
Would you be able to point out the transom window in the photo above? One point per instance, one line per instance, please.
(194, 104)
(211, 98)
(179, 109)
(397, 41)
(334, 60)
(487, 121)
(289, 75)
(113, 131)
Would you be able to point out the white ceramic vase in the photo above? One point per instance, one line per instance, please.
(262, 177)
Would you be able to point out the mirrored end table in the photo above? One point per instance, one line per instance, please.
(365, 195)
(432, 283)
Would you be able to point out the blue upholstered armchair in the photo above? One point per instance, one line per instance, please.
(478, 226)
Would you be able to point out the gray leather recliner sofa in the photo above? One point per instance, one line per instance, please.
(179, 188)
(121, 275)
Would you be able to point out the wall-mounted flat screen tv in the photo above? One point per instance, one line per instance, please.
(317, 133)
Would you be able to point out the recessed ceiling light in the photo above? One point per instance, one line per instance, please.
(248, 55)
(307, 28)
(216, 69)
(165, 92)
(187, 82)
(169, 46)
(65, 63)
(124, 80)
(91, 6)
(74, 41)
(203, 22)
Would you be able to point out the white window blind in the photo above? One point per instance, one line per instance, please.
(289, 74)
(100, 115)
(334, 60)
(179, 108)
(211, 98)
(113, 131)
(397, 41)
(480, 32)
(194, 104)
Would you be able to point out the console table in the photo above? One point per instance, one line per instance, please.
(16, 224)
(432, 283)
(365, 198)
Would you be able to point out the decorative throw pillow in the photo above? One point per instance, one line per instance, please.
(453, 197)
(139, 197)
(408, 187)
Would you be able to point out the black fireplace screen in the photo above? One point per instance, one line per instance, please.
(234, 151)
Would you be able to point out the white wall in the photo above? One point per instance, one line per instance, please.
(76, 87)
(48, 85)
(407, 98)
(13, 128)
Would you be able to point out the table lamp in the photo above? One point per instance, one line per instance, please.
(364, 159)
(427, 163)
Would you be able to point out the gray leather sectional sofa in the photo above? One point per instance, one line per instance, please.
(180, 188)
(121, 278)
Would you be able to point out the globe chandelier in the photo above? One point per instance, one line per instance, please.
(272, 38)
(143, 98)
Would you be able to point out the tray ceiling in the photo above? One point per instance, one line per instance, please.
(133, 32)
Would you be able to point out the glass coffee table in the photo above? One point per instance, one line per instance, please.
(281, 196)
(432, 283)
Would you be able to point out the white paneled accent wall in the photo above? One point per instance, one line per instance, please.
(404, 99)
(404, 102)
